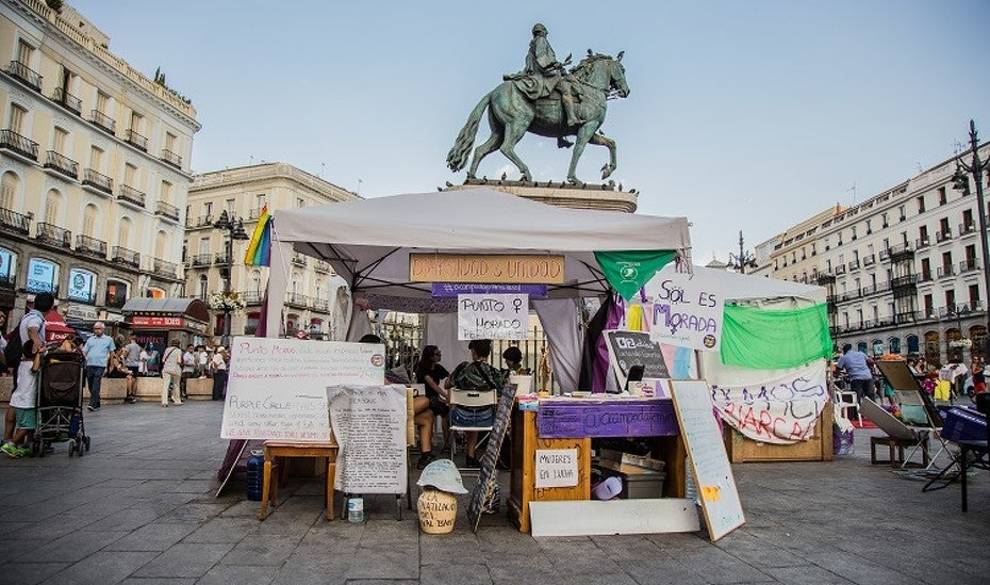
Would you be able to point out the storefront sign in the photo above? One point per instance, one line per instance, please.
(497, 316)
(449, 289)
(152, 321)
(277, 387)
(567, 419)
(556, 468)
(487, 268)
(687, 309)
(42, 275)
(81, 312)
(369, 423)
(81, 285)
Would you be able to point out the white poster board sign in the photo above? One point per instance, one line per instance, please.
(369, 423)
(277, 387)
(707, 457)
(687, 309)
(492, 316)
(556, 468)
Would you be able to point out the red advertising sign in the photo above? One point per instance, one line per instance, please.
(146, 321)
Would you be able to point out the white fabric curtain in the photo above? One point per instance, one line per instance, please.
(441, 331)
(563, 329)
(278, 281)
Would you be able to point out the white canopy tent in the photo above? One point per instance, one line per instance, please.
(368, 242)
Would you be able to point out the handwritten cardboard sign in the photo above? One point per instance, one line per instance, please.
(606, 418)
(492, 316)
(369, 423)
(277, 387)
(706, 454)
(556, 468)
(634, 348)
(687, 308)
(487, 268)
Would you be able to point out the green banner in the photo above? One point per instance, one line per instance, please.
(628, 271)
(766, 339)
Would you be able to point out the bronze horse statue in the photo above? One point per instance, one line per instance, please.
(511, 115)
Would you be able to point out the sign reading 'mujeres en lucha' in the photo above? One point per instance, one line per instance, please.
(487, 268)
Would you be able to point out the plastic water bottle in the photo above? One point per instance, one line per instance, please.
(255, 475)
(355, 510)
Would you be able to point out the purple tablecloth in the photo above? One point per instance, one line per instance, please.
(559, 419)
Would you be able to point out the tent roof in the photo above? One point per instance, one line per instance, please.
(745, 287)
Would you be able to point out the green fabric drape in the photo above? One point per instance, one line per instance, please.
(628, 271)
(771, 340)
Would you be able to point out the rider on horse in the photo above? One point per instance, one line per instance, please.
(543, 74)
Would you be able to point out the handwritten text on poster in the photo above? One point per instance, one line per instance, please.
(493, 316)
(687, 309)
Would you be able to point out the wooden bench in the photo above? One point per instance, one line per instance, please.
(899, 444)
(288, 449)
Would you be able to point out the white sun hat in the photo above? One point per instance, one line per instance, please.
(443, 475)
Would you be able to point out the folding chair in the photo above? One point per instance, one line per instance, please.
(846, 399)
(473, 399)
(898, 436)
(916, 406)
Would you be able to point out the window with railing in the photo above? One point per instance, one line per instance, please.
(29, 76)
(11, 140)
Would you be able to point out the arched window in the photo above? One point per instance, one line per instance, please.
(160, 241)
(895, 345)
(954, 352)
(256, 282)
(155, 293)
(53, 201)
(42, 276)
(116, 294)
(978, 335)
(877, 347)
(913, 346)
(863, 347)
(933, 353)
(8, 267)
(82, 286)
(10, 184)
(204, 285)
(89, 220)
(124, 233)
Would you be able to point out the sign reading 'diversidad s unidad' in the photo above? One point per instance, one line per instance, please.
(687, 308)
(495, 316)
(487, 268)
(556, 468)
(277, 387)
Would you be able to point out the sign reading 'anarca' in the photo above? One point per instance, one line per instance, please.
(487, 268)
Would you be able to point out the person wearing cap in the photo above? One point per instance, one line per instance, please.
(219, 366)
(97, 350)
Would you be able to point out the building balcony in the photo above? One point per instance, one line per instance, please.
(869, 260)
(11, 221)
(884, 254)
(322, 266)
(54, 235)
(946, 271)
(171, 158)
(90, 246)
(29, 76)
(22, 145)
(137, 140)
(925, 276)
(968, 265)
(908, 280)
(98, 181)
(221, 258)
(201, 221)
(200, 260)
(297, 300)
(854, 265)
(849, 295)
(321, 305)
(908, 317)
(298, 259)
(252, 297)
(164, 268)
(901, 252)
(943, 235)
(957, 311)
(126, 256)
(67, 100)
(921, 243)
(104, 121)
(168, 210)
(62, 164)
(840, 269)
(255, 213)
(131, 195)
(966, 229)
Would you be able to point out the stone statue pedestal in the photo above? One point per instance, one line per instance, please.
(601, 197)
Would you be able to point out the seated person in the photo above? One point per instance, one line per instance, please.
(116, 367)
(430, 373)
(512, 357)
(477, 374)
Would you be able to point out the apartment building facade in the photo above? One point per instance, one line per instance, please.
(903, 269)
(314, 293)
(94, 168)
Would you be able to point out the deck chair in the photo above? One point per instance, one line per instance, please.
(470, 398)
(917, 407)
(898, 434)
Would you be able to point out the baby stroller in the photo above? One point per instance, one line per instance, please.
(60, 413)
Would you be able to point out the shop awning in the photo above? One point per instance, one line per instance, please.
(167, 313)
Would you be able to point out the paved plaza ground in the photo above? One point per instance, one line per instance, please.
(140, 510)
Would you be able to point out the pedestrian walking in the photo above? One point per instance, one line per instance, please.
(132, 360)
(172, 373)
(97, 350)
(188, 369)
(219, 367)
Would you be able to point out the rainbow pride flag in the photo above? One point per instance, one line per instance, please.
(260, 246)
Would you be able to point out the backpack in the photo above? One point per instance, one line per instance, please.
(13, 353)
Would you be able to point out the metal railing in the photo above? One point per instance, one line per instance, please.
(63, 164)
(171, 158)
(126, 256)
(854, 265)
(840, 269)
(254, 213)
(164, 268)
(71, 102)
(946, 271)
(166, 209)
(137, 140)
(925, 276)
(98, 180)
(200, 221)
(321, 304)
(90, 246)
(907, 317)
(322, 266)
(943, 235)
(298, 259)
(902, 281)
(900, 249)
(20, 144)
(884, 254)
(252, 297)
(221, 258)
(297, 300)
(200, 259)
(131, 195)
(922, 243)
(967, 228)
(968, 265)
(12, 221)
(52, 234)
(25, 74)
(869, 260)
(103, 121)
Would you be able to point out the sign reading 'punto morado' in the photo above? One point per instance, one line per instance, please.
(487, 268)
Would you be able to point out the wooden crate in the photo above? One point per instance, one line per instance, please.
(745, 450)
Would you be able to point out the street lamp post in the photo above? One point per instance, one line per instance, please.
(743, 260)
(234, 228)
(960, 182)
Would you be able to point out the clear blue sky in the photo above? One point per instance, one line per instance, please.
(743, 114)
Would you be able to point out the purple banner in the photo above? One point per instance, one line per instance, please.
(561, 419)
(450, 289)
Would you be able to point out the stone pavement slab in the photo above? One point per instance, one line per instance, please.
(140, 510)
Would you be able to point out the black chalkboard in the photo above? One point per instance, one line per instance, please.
(632, 348)
(485, 488)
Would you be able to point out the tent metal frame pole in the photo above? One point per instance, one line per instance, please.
(363, 272)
